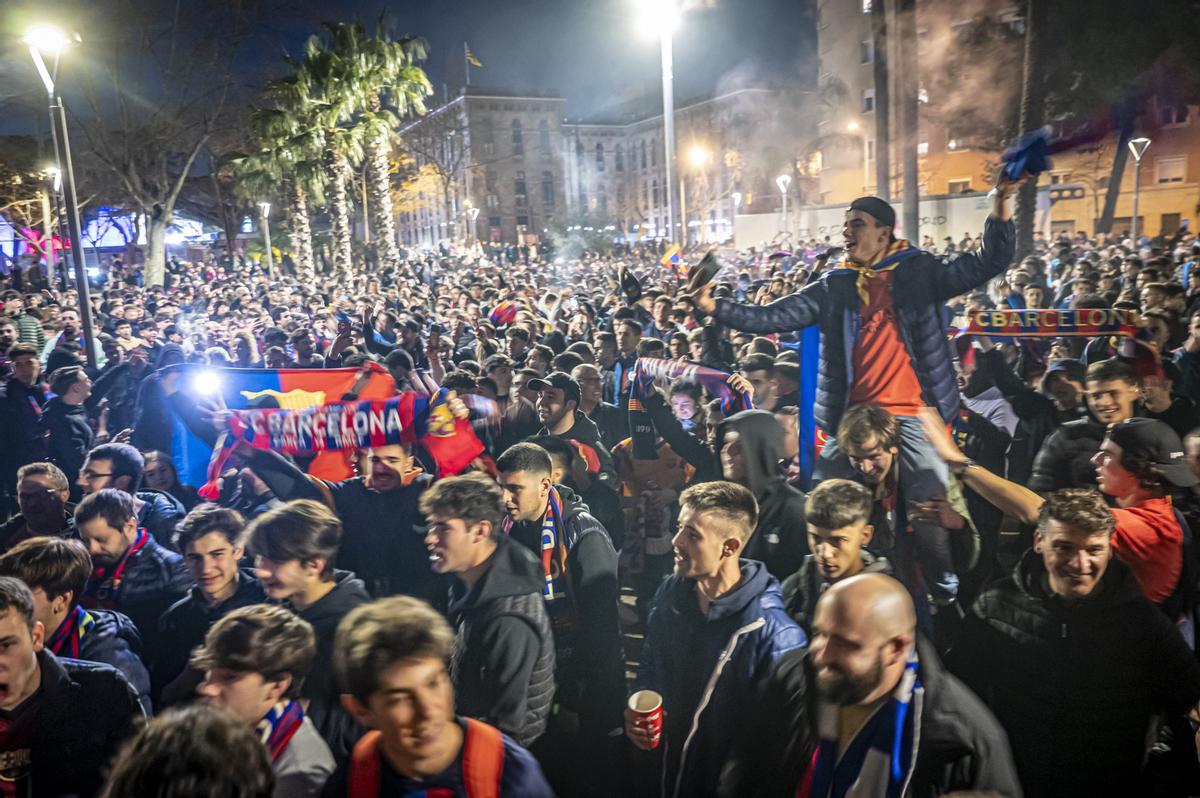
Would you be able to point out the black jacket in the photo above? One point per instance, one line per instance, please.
(585, 431)
(1065, 459)
(589, 660)
(159, 514)
(337, 726)
(612, 422)
(802, 589)
(1075, 685)
(182, 628)
(780, 539)
(115, 641)
(698, 454)
(88, 710)
(503, 662)
(22, 440)
(960, 746)
(920, 287)
(68, 436)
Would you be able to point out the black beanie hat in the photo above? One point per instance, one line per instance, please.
(878, 208)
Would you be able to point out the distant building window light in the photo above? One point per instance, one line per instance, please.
(923, 148)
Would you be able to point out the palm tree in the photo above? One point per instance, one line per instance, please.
(387, 85)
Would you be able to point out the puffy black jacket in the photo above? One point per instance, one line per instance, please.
(802, 589)
(960, 746)
(88, 710)
(68, 436)
(503, 663)
(1065, 460)
(159, 514)
(920, 288)
(589, 661)
(115, 641)
(1075, 685)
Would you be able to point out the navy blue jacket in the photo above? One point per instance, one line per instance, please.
(920, 287)
(707, 669)
(115, 641)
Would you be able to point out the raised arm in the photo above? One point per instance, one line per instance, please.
(793, 312)
(972, 269)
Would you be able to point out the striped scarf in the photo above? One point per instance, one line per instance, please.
(279, 725)
(879, 760)
(553, 555)
(68, 637)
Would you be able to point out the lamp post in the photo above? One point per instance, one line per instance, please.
(1138, 148)
(265, 211)
(44, 38)
(661, 17)
(783, 181)
(854, 127)
(472, 215)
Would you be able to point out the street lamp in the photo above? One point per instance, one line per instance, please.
(265, 208)
(661, 17)
(51, 40)
(783, 181)
(854, 127)
(697, 157)
(1138, 148)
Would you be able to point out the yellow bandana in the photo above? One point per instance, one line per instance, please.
(869, 270)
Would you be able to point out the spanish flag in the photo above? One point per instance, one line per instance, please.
(471, 59)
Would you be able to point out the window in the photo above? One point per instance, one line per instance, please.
(870, 149)
(866, 6)
(961, 186)
(868, 101)
(489, 180)
(544, 135)
(621, 197)
(1170, 170)
(866, 51)
(654, 192)
(493, 202)
(619, 158)
(1173, 115)
(1057, 178)
(599, 156)
(579, 155)
(487, 131)
(547, 188)
(602, 196)
(922, 95)
(654, 152)
(954, 144)
(1102, 184)
(643, 153)
(493, 221)
(519, 189)
(923, 148)
(518, 139)
(646, 195)
(522, 221)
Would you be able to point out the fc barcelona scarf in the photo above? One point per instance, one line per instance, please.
(1085, 322)
(67, 638)
(103, 590)
(553, 557)
(647, 369)
(879, 760)
(279, 725)
(405, 419)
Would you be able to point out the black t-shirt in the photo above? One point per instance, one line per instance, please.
(17, 728)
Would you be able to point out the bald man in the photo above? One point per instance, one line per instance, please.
(612, 422)
(872, 674)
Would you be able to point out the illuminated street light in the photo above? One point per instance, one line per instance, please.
(1137, 148)
(52, 40)
(698, 156)
(662, 17)
(783, 181)
(852, 127)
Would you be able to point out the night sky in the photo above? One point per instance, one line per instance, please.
(593, 52)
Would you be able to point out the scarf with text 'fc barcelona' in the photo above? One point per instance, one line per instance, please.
(404, 419)
(553, 558)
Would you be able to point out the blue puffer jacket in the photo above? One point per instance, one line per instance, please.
(920, 287)
(707, 668)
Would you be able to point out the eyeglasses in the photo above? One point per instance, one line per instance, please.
(31, 496)
(92, 475)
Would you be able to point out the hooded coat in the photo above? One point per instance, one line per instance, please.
(1075, 684)
(503, 661)
(780, 538)
(707, 667)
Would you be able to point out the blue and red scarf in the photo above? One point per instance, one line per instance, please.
(278, 726)
(67, 638)
(553, 556)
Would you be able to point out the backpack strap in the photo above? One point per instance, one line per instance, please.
(364, 767)
(482, 760)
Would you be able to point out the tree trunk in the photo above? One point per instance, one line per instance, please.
(379, 190)
(1124, 134)
(339, 217)
(1033, 111)
(301, 233)
(155, 269)
(883, 102)
(906, 17)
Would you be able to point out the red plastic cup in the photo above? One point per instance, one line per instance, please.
(647, 705)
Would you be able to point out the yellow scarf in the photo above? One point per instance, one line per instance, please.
(868, 270)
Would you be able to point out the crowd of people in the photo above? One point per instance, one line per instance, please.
(963, 563)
